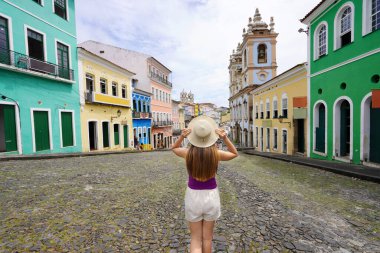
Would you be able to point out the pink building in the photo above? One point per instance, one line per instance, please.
(161, 104)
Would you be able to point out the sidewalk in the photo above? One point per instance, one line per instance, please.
(347, 169)
(64, 155)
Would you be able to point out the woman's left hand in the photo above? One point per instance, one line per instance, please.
(222, 134)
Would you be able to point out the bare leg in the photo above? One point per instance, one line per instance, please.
(208, 232)
(196, 237)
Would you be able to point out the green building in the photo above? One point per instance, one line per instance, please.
(39, 94)
(344, 69)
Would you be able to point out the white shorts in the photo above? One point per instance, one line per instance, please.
(202, 205)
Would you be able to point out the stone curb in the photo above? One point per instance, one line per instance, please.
(323, 167)
(66, 155)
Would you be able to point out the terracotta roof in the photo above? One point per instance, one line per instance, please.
(314, 9)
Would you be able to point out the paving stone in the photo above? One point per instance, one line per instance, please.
(135, 204)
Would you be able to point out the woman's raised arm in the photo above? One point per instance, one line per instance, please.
(232, 152)
(181, 152)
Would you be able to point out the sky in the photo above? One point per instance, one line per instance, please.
(193, 38)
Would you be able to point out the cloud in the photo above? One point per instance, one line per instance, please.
(193, 38)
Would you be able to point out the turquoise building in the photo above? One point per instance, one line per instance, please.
(344, 87)
(142, 118)
(39, 94)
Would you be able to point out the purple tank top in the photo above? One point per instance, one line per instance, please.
(198, 185)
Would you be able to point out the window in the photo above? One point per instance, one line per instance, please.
(274, 138)
(375, 15)
(36, 45)
(116, 134)
(322, 41)
(60, 8)
(124, 91)
(284, 107)
(103, 85)
(268, 138)
(67, 129)
(261, 110)
(4, 42)
(135, 105)
(268, 109)
(63, 60)
(262, 53)
(257, 111)
(114, 89)
(89, 82)
(257, 136)
(153, 91)
(275, 108)
(38, 1)
(141, 106)
(344, 26)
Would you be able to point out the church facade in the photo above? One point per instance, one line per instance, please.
(251, 64)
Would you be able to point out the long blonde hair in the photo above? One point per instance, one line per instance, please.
(202, 163)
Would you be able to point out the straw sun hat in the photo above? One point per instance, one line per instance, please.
(202, 132)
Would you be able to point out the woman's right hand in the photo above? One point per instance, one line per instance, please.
(185, 132)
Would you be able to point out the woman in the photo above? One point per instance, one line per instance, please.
(202, 202)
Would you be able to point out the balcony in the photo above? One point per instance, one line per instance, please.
(160, 79)
(24, 62)
(162, 123)
(141, 115)
(95, 97)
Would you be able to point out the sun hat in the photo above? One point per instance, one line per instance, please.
(202, 132)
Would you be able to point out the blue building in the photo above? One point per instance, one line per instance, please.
(142, 118)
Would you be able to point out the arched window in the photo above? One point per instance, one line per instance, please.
(262, 53)
(284, 106)
(344, 26)
(257, 111)
(371, 16)
(261, 110)
(275, 108)
(267, 108)
(322, 41)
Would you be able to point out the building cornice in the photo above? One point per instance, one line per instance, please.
(246, 90)
(86, 55)
(317, 10)
(283, 76)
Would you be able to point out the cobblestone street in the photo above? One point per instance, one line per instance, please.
(134, 203)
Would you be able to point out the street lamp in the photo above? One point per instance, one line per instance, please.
(301, 30)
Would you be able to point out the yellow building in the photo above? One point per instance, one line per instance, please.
(105, 95)
(280, 113)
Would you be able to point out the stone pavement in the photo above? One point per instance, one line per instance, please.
(347, 169)
(134, 203)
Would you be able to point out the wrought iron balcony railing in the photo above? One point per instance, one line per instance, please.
(159, 78)
(141, 115)
(23, 61)
(162, 123)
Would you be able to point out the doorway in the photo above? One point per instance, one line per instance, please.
(92, 135)
(126, 136)
(301, 135)
(8, 132)
(106, 140)
(284, 141)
